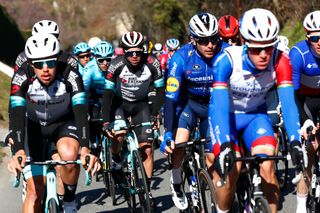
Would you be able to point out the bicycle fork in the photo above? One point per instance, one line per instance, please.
(51, 187)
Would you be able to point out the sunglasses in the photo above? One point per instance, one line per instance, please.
(85, 56)
(134, 53)
(314, 38)
(101, 60)
(204, 41)
(258, 50)
(51, 63)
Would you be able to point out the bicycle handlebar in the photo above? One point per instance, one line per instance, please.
(183, 145)
(88, 179)
(255, 158)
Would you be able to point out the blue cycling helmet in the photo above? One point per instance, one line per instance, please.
(172, 43)
(103, 49)
(81, 47)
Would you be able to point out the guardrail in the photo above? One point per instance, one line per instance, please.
(6, 69)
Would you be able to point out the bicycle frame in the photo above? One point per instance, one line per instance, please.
(51, 186)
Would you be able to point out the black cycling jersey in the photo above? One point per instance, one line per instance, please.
(132, 83)
(63, 99)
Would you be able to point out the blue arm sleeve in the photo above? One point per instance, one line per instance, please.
(289, 111)
(219, 106)
(297, 62)
(87, 79)
(172, 91)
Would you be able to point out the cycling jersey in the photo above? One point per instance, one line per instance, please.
(164, 63)
(305, 69)
(132, 84)
(189, 70)
(306, 80)
(63, 99)
(240, 89)
(94, 80)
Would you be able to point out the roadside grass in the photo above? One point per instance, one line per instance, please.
(4, 100)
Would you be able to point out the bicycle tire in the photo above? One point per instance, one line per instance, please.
(53, 206)
(207, 193)
(282, 167)
(261, 206)
(140, 182)
(130, 197)
(109, 180)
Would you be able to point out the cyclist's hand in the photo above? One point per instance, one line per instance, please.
(304, 127)
(154, 122)
(8, 139)
(93, 164)
(107, 130)
(165, 148)
(226, 152)
(298, 155)
(14, 164)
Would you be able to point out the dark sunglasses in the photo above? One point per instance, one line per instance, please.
(85, 56)
(51, 63)
(134, 53)
(258, 50)
(204, 41)
(314, 38)
(101, 60)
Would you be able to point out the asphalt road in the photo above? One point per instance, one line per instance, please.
(93, 198)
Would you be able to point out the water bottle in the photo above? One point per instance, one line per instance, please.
(194, 190)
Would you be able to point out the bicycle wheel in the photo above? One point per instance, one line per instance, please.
(128, 187)
(282, 166)
(107, 176)
(261, 206)
(207, 194)
(53, 206)
(140, 182)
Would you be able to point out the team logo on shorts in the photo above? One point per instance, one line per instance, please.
(172, 84)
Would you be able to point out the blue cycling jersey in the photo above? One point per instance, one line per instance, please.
(189, 73)
(305, 69)
(240, 88)
(94, 79)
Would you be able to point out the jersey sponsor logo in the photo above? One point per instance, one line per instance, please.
(14, 89)
(196, 67)
(312, 66)
(72, 78)
(261, 131)
(201, 78)
(113, 67)
(173, 69)
(172, 84)
(73, 62)
(19, 79)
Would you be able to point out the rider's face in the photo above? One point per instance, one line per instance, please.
(45, 70)
(260, 56)
(314, 40)
(206, 46)
(134, 55)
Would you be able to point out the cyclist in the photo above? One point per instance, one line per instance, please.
(94, 84)
(172, 45)
(243, 75)
(48, 26)
(130, 77)
(83, 52)
(190, 70)
(306, 75)
(229, 30)
(49, 100)
(157, 50)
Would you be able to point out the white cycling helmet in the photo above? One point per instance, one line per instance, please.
(46, 26)
(93, 41)
(259, 25)
(311, 22)
(172, 43)
(41, 46)
(132, 39)
(203, 25)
